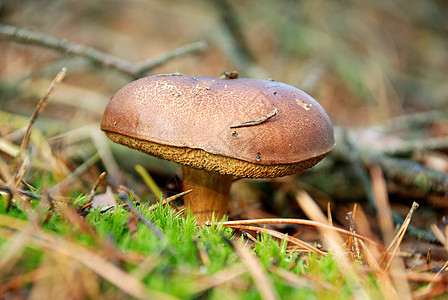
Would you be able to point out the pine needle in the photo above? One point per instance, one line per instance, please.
(292, 221)
(281, 236)
(399, 237)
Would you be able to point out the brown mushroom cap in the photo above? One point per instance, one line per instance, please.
(188, 119)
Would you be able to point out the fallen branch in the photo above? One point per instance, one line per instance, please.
(409, 147)
(405, 172)
(135, 70)
(401, 171)
(410, 174)
(410, 121)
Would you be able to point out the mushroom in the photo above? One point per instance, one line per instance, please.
(219, 129)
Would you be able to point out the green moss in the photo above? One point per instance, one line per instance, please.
(175, 264)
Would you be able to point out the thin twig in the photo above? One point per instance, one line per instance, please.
(257, 122)
(231, 22)
(354, 241)
(12, 191)
(21, 171)
(134, 70)
(147, 65)
(169, 199)
(24, 193)
(124, 189)
(97, 183)
(93, 190)
(141, 217)
(39, 108)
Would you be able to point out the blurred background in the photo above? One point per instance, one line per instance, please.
(364, 61)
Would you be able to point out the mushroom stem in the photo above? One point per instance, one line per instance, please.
(210, 193)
